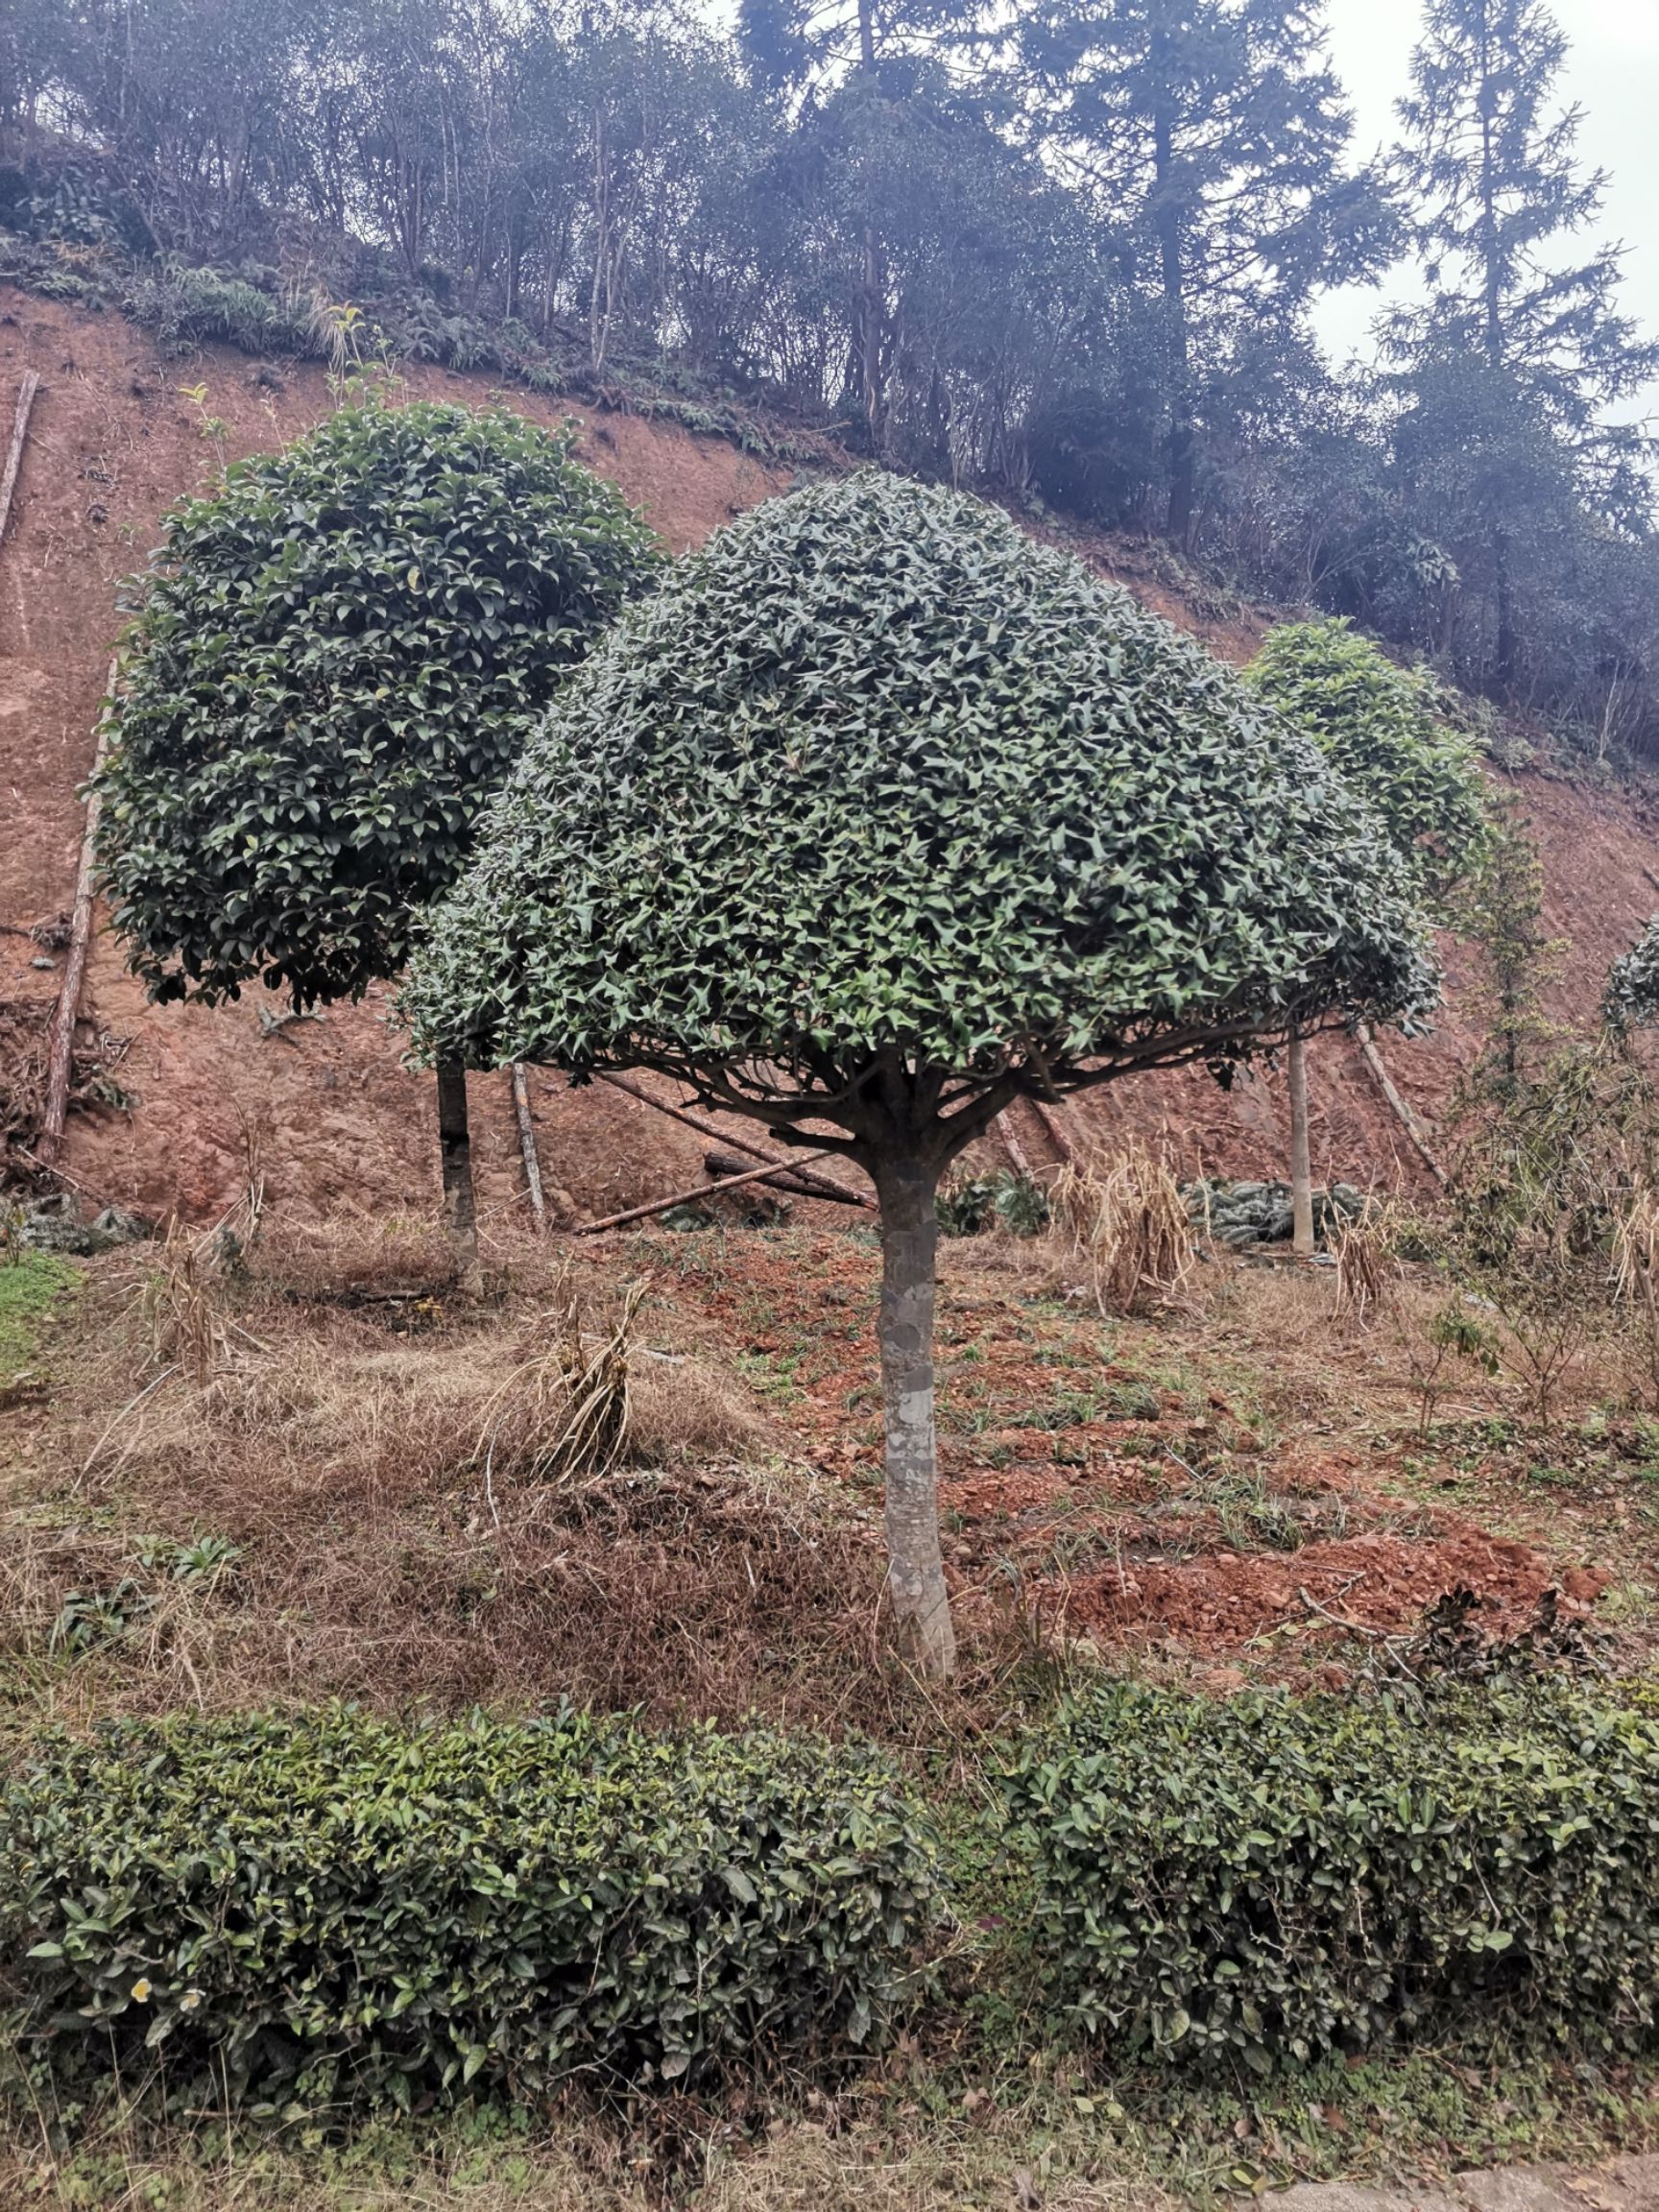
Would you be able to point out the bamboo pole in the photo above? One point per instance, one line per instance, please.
(26, 391)
(1409, 1121)
(826, 1184)
(61, 1039)
(527, 1144)
(687, 1197)
(1301, 1166)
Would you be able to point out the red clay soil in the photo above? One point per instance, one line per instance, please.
(113, 442)
(1218, 1602)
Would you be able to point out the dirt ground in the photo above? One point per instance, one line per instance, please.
(1245, 1488)
(317, 1473)
(117, 434)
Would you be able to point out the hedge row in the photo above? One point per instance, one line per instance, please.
(1269, 1877)
(332, 1906)
(326, 1907)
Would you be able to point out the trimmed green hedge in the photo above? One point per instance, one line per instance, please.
(332, 1906)
(1270, 1877)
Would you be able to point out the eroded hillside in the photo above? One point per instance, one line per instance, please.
(118, 432)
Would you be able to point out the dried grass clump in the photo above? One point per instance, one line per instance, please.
(1125, 1213)
(1636, 1282)
(354, 1260)
(1362, 1271)
(682, 1411)
(482, 1505)
(1636, 1249)
(182, 1293)
(561, 1415)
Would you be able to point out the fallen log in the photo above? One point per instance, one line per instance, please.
(1057, 1136)
(1012, 1146)
(1408, 1120)
(61, 1040)
(685, 1197)
(821, 1185)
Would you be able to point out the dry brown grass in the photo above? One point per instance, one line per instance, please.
(806, 2165)
(1364, 1275)
(1125, 1215)
(455, 1503)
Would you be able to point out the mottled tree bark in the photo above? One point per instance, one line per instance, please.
(915, 1570)
(455, 1152)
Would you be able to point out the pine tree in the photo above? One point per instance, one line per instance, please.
(1520, 349)
(1212, 134)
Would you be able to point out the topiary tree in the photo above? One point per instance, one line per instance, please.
(879, 815)
(1381, 728)
(334, 662)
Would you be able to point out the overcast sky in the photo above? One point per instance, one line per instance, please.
(1612, 74)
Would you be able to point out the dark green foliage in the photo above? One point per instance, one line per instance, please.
(1068, 249)
(186, 307)
(335, 663)
(1508, 372)
(1503, 910)
(974, 1203)
(1382, 727)
(1632, 1001)
(331, 1906)
(1217, 135)
(1266, 1877)
(874, 772)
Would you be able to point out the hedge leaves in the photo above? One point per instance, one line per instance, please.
(1267, 1876)
(874, 771)
(331, 1906)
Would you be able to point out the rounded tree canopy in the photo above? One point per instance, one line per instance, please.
(337, 658)
(1383, 727)
(872, 773)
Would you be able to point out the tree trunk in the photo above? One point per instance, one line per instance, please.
(915, 1570)
(455, 1152)
(1181, 442)
(1301, 1171)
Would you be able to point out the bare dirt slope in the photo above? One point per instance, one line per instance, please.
(115, 438)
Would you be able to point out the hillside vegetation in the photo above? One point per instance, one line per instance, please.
(986, 1532)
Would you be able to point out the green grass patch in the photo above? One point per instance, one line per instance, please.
(29, 1289)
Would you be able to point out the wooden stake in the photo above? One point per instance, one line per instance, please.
(688, 1197)
(26, 391)
(61, 1037)
(527, 1144)
(1012, 1146)
(824, 1186)
(1057, 1136)
(1409, 1121)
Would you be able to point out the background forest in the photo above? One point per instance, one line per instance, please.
(1066, 254)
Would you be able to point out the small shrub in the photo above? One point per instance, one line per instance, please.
(973, 1204)
(329, 1908)
(1267, 1877)
(184, 306)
